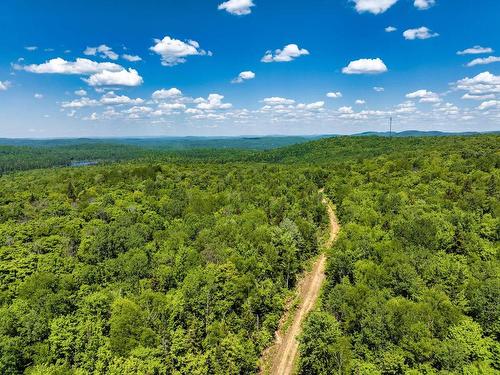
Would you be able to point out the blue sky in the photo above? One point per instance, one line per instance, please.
(245, 67)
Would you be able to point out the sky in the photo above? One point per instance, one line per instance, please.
(247, 67)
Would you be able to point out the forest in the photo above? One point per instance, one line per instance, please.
(181, 262)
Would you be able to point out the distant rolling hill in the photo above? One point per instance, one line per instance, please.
(419, 133)
(171, 143)
(338, 148)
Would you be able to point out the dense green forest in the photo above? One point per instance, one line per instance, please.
(181, 263)
(413, 283)
(25, 154)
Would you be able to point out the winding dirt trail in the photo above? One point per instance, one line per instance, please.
(283, 354)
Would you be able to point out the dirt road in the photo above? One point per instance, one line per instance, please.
(285, 350)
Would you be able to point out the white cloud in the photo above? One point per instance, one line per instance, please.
(138, 110)
(390, 29)
(213, 102)
(4, 85)
(131, 58)
(194, 111)
(446, 109)
(237, 7)
(365, 66)
(484, 61)
(172, 106)
(111, 98)
(489, 104)
(345, 110)
(378, 89)
(424, 96)
(93, 117)
(103, 51)
(478, 97)
(360, 101)
(334, 95)
(31, 48)
(419, 33)
(424, 4)
(288, 53)
(80, 92)
(81, 103)
(244, 76)
(166, 94)
(38, 96)
(174, 51)
(80, 67)
(278, 101)
(476, 50)
(128, 77)
(311, 106)
(406, 107)
(483, 84)
(373, 6)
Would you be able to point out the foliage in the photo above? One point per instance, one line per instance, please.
(179, 263)
(149, 268)
(414, 277)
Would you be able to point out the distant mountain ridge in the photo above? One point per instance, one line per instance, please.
(255, 142)
(171, 143)
(421, 133)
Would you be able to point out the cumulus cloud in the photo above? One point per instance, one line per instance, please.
(478, 97)
(174, 51)
(334, 95)
(276, 100)
(311, 106)
(4, 85)
(288, 53)
(390, 29)
(172, 106)
(110, 98)
(484, 61)
(406, 107)
(80, 103)
(365, 66)
(79, 67)
(419, 33)
(38, 96)
(128, 77)
(102, 51)
(373, 6)
(476, 50)
(131, 58)
(244, 76)
(482, 84)
(213, 102)
(489, 104)
(93, 117)
(237, 7)
(425, 96)
(378, 89)
(166, 94)
(135, 110)
(424, 4)
(360, 102)
(80, 92)
(345, 110)
(31, 48)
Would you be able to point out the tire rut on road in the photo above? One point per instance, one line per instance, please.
(285, 350)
